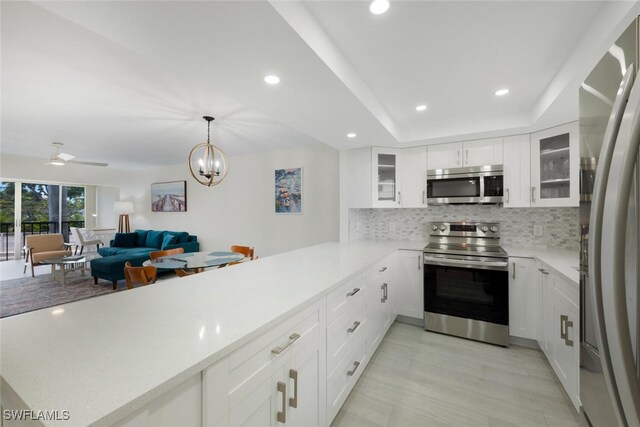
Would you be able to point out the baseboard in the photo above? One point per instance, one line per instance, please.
(410, 320)
(523, 342)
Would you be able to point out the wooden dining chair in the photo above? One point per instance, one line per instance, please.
(183, 273)
(157, 254)
(145, 275)
(247, 251)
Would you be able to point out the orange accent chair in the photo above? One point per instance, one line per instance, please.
(145, 275)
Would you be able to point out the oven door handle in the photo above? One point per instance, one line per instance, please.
(464, 262)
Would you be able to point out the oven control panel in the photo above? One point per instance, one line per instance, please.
(465, 229)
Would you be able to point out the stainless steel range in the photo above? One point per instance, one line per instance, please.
(466, 282)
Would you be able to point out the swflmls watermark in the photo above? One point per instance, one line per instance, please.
(30, 415)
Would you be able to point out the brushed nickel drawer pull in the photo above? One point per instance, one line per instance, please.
(282, 415)
(353, 292)
(355, 368)
(292, 338)
(354, 327)
(385, 295)
(514, 271)
(293, 401)
(383, 270)
(543, 271)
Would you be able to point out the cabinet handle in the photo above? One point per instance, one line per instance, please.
(565, 324)
(399, 196)
(466, 155)
(543, 271)
(563, 334)
(293, 401)
(424, 194)
(384, 293)
(508, 197)
(355, 368)
(383, 270)
(459, 160)
(514, 271)
(419, 263)
(354, 327)
(292, 338)
(533, 194)
(282, 415)
(353, 292)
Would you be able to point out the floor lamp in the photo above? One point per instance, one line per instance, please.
(123, 209)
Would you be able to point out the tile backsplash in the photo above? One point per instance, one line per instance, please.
(560, 228)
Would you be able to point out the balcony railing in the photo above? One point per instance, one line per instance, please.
(7, 233)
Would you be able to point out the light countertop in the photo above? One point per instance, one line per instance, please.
(103, 358)
(563, 261)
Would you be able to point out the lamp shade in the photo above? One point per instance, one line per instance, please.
(123, 208)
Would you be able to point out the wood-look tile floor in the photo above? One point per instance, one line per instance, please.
(419, 378)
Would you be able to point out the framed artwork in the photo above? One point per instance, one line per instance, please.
(169, 196)
(288, 191)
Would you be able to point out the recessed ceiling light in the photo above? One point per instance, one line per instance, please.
(351, 135)
(502, 92)
(421, 107)
(378, 7)
(272, 80)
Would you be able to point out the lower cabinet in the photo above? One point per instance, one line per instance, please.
(410, 284)
(298, 373)
(523, 298)
(559, 327)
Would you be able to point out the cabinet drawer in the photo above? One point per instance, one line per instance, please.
(342, 380)
(251, 364)
(345, 331)
(382, 270)
(345, 296)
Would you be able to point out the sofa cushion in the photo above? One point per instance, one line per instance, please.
(169, 239)
(154, 239)
(141, 238)
(181, 236)
(108, 251)
(125, 240)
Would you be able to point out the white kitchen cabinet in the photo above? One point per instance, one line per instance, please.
(523, 298)
(414, 177)
(410, 284)
(444, 156)
(386, 178)
(554, 166)
(381, 299)
(517, 175)
(481, 152)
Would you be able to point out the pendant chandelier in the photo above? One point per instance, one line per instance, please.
(208, 164)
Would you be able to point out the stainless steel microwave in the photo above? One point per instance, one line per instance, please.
(473, 185)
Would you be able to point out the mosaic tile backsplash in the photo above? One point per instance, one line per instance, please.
(559, 225)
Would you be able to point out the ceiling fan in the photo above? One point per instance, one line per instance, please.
(61, 159)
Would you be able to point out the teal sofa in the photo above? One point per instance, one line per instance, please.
(135, 247)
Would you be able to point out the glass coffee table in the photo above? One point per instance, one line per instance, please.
(196, 261)
(60, 267)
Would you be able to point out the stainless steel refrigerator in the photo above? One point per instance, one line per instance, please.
(609, 239)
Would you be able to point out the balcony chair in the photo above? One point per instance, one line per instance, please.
(141, 275)
(81, 242)
(40, 247)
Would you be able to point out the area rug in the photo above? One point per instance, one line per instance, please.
(34, 293)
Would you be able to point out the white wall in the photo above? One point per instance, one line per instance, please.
(241, 209)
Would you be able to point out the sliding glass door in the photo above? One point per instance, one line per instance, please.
(41, 208)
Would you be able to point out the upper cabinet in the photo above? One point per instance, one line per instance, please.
(517, 166)
(386, 178)
(554, 166)
(465, 154)
(414, 177)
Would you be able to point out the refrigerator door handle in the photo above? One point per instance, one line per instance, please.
(613, 257)
(595, 234)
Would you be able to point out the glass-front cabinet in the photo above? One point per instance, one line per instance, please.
(554, 166)
(386, 178)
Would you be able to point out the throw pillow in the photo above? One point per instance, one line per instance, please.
(125, 240)
(181, 236)
(141, 238)
(154, 239)
(169, 239)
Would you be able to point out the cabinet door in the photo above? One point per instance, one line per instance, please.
(410, 284)
(444, 156)
(414, 177)
(554, 166)
(543, 286)
(386, 178)
(517, 177)
(304, 388)
(182, 405)
(523, 298)
(482, 153)
(261, 406)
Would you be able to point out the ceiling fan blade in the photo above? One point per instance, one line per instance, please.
(78, 162)
(65, 156)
